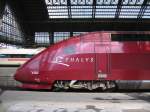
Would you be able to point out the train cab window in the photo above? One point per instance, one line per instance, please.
(69, 49)
(130, 37)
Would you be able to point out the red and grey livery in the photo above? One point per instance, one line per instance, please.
(88, 61)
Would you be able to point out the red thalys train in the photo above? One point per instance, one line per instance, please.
(98, 60)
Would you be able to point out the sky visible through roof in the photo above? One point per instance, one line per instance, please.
(97, 8)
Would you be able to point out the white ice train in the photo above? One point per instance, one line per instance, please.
(16, 57)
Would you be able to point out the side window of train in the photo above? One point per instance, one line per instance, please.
(3, 56)
(28, 55)
(70, 49)
(16, 56)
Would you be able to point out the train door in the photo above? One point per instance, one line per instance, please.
(103, 57)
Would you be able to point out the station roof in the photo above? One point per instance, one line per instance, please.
(98, 8)
(84, 15)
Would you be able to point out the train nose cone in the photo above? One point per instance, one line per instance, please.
(19, 75)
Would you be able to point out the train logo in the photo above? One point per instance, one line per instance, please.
(58, 60)
(63, 60)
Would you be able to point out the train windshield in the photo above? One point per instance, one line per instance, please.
(70, 49)
(130, 37)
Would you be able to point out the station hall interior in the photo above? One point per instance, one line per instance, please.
(28, 27)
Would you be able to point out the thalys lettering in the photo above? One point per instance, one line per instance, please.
(64, 60)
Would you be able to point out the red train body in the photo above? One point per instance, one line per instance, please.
(90, 57)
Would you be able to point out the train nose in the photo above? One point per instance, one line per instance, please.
(21, 75)
(17, 76)
(26, 75)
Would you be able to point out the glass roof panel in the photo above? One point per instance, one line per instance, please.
(147, 13)
(56, 2)
(106, 2)
(81, 2)
(81, 11)
(57, 11)
(105, 11)
(100, 9)
(129, 11)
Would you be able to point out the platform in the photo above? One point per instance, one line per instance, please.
(35, 101)
(7, 71)
(6, 77)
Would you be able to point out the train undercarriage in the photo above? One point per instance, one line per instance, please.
(87, 85)
(102, 85)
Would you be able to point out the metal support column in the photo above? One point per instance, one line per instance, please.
(71, 34)
(94, 9)
(69, 9)
(51, 34)
(142, 10)
(30, 39)
(119, 6)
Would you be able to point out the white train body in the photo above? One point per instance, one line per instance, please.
(16, 57)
